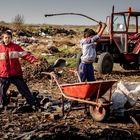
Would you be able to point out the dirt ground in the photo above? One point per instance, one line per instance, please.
(44, 124)
(78, 124)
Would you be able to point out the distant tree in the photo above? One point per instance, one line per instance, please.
(18, 22)
(2, 22)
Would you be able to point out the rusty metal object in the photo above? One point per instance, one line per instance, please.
(58, 14)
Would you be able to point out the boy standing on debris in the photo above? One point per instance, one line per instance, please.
(10, 69)
(86, 70)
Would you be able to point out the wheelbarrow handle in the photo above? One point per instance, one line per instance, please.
(76, 72)
(52, 74)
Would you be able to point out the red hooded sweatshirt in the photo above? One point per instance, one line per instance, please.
(9, 59)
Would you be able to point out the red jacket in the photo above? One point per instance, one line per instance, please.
(9, 59)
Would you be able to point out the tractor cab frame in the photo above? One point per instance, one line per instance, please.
(121, 42)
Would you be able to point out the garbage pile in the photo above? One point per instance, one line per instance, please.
(125, 96)
(17, 103)
(24, 40)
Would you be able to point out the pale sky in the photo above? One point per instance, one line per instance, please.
(34, 10)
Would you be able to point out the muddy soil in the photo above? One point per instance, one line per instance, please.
(27, 124)
(41, 124)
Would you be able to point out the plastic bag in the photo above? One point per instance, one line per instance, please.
(126, 92)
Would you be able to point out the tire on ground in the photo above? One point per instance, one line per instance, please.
(105, 63)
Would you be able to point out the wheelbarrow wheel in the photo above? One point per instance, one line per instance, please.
(99, 113)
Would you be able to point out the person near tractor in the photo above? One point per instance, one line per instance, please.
(10, 69)
(87, 44)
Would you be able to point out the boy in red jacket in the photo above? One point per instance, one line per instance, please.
(10, 69)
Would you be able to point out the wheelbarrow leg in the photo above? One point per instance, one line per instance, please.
(62, 106)
(63, 109)
(86, 110)
(68, 111)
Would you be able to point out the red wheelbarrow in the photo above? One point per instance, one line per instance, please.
(90, 93)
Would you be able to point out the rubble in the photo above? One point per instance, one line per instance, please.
(19, 121)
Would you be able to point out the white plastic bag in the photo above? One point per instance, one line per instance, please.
(131, 90)
(126, 92)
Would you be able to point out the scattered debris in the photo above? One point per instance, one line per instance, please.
(125, 96)
(19, 121)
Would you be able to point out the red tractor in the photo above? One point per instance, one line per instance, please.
(121, 43)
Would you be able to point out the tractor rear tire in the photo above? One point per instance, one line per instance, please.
(105, 63)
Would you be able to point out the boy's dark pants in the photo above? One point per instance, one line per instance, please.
(86, 72)
(22, 87)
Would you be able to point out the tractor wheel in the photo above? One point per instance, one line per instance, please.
(78, 60)
(105, 63)
(99, 113)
